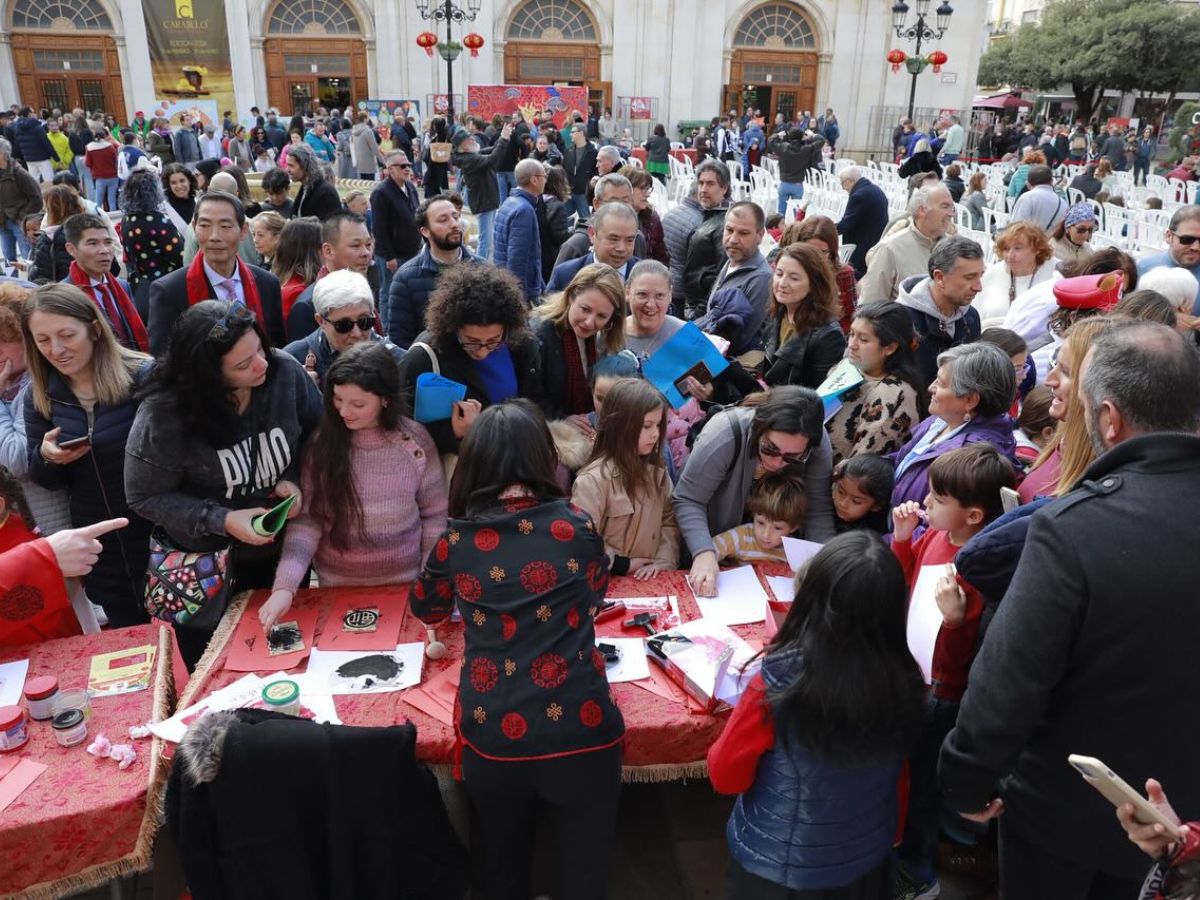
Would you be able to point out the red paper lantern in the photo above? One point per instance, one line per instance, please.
(937, 59)
(896, 58)
(427, 40)
(473, 42)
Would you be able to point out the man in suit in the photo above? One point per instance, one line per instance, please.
(613, 229)
(865, 218)
(394, 205)
(216, 273)
(93, 250)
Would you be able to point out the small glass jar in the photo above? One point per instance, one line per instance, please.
(282, 697)
(75, 698)
(70, 728)
(39, 696)
(14, 728)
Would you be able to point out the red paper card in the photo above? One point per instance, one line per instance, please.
(14, 783)
(436, 697)
(248, 651)
(392, 604)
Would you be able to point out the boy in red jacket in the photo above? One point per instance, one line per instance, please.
(964, 496)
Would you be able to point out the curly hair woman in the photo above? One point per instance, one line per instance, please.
(476, 333)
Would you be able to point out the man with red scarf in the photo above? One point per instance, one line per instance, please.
(217, 273)
(93, 249)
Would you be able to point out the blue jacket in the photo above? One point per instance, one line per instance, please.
(864, 221)
(518, 244)
(323, 147)
(810, 823)
(95, 485)
(412, 283)
(31, 140)
(564, 272)
(317, 344)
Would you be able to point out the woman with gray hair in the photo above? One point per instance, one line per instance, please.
(317, 197)
(968, 404)
(152, 242)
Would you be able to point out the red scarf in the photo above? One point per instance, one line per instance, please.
(198, 288)
(129, 312)
(579, 395)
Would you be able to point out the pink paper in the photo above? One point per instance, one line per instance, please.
(418, 699)
(248, 648)
(22, 775)
(7, 764)
(659, 683)
(392, 604)
(436, 696)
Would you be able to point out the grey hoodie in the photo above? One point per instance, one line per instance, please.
(914, 293)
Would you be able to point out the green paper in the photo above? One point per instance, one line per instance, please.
(272, 521)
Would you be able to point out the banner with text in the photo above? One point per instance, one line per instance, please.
(189, 51)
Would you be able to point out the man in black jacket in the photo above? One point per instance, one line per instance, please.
(865, 218)
(479, 175)
(705, 252)
(1091, 650)
(215, 274)
(394, 205)
(797, 154)
(580, 164)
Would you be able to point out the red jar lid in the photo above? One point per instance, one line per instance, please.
(41, 687)
(10, 716)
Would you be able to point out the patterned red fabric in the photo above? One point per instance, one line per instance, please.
(81, 812)
(657, 731)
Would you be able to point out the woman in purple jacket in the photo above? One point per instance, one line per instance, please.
(968, 404)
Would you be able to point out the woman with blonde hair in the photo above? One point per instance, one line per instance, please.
(804, 340)
(1024, 258)
(575, 328)
(50, 257)
(78, 412)
(265, 230)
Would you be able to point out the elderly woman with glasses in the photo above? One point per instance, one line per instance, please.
(1071, 237)
(476, 333)
(780, 430)
(217, 442)
(345, 316)
(968, 404)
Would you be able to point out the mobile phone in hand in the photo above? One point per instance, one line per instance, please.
(75, 442)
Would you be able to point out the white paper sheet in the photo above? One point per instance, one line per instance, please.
(740, 598)
(633, 665)
(782, 587)
(12, 681)
(233, 696)
(924, 617)
(323, 666)
(799, 551)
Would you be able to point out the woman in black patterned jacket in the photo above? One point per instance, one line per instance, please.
(538, 731)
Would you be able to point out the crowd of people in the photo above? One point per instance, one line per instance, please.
(180, 355)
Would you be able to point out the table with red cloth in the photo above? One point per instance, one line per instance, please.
(83, 822)
(686, 154)
(664, 739)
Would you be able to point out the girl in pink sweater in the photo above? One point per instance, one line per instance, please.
(374, 498)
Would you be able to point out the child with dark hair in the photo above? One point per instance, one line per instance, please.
(17, 524)
(964, 496)
(778, 504)
(815, 745)
(862, 492)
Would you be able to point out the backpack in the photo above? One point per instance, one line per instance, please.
(1079, 142)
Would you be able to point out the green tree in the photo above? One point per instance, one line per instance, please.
(1181, 136)
(1093, 45)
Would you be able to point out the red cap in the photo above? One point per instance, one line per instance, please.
(10, 716)
(41, 687)
(1089, 291)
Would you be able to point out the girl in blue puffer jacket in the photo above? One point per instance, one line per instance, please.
(815, 745)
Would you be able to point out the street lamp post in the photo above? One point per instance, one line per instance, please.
(919, 31)
(449, 12)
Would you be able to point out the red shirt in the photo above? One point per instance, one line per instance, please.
(14, 532)
(292, 288)
(954, 650)
(749, 733)
(102, 161)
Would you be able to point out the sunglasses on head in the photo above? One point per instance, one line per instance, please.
(345, 326)
(1187, 239)
(768, 449)
(238, 315)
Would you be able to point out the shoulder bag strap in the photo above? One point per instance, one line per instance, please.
(437, 369)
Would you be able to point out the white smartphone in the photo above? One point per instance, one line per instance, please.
(1116, 791)
(1009, 499)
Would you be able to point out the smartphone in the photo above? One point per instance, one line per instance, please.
(75, 442)
(1115, 790)
(1009, 499)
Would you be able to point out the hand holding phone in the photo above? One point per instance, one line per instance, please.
(1116, 791)
(75, 442)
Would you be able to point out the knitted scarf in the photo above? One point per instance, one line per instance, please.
(133, 322)
(579, 396)
(199, 289)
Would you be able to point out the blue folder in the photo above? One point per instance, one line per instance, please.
(436, 396)
(687, 348)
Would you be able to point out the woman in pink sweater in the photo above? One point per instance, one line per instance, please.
(374, 495)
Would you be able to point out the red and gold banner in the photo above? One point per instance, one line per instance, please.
(486, 100)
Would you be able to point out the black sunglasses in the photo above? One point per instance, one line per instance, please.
(345, 326)
(401, 165)
(1187, 239)
(767, 448)
(238, 315)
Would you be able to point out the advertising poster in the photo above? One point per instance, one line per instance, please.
(189, 51)
(204, 110)
(384, 111)
(639, 108)
(486, 100)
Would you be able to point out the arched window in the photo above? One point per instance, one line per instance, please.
(776, 26)
(552, 20)
(60, 15)
(313, 17)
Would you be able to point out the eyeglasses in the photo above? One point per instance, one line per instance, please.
(1084, 229)
(345, 326)
(768, 449)
(401, 165)
(238, 315)
(1187, 239)
(481, 346)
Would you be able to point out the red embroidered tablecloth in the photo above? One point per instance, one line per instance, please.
(83, 821)
(663, 740)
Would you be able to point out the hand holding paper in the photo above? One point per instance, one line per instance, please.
(271, 522)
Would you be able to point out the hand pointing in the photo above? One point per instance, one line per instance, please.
(77, 549)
